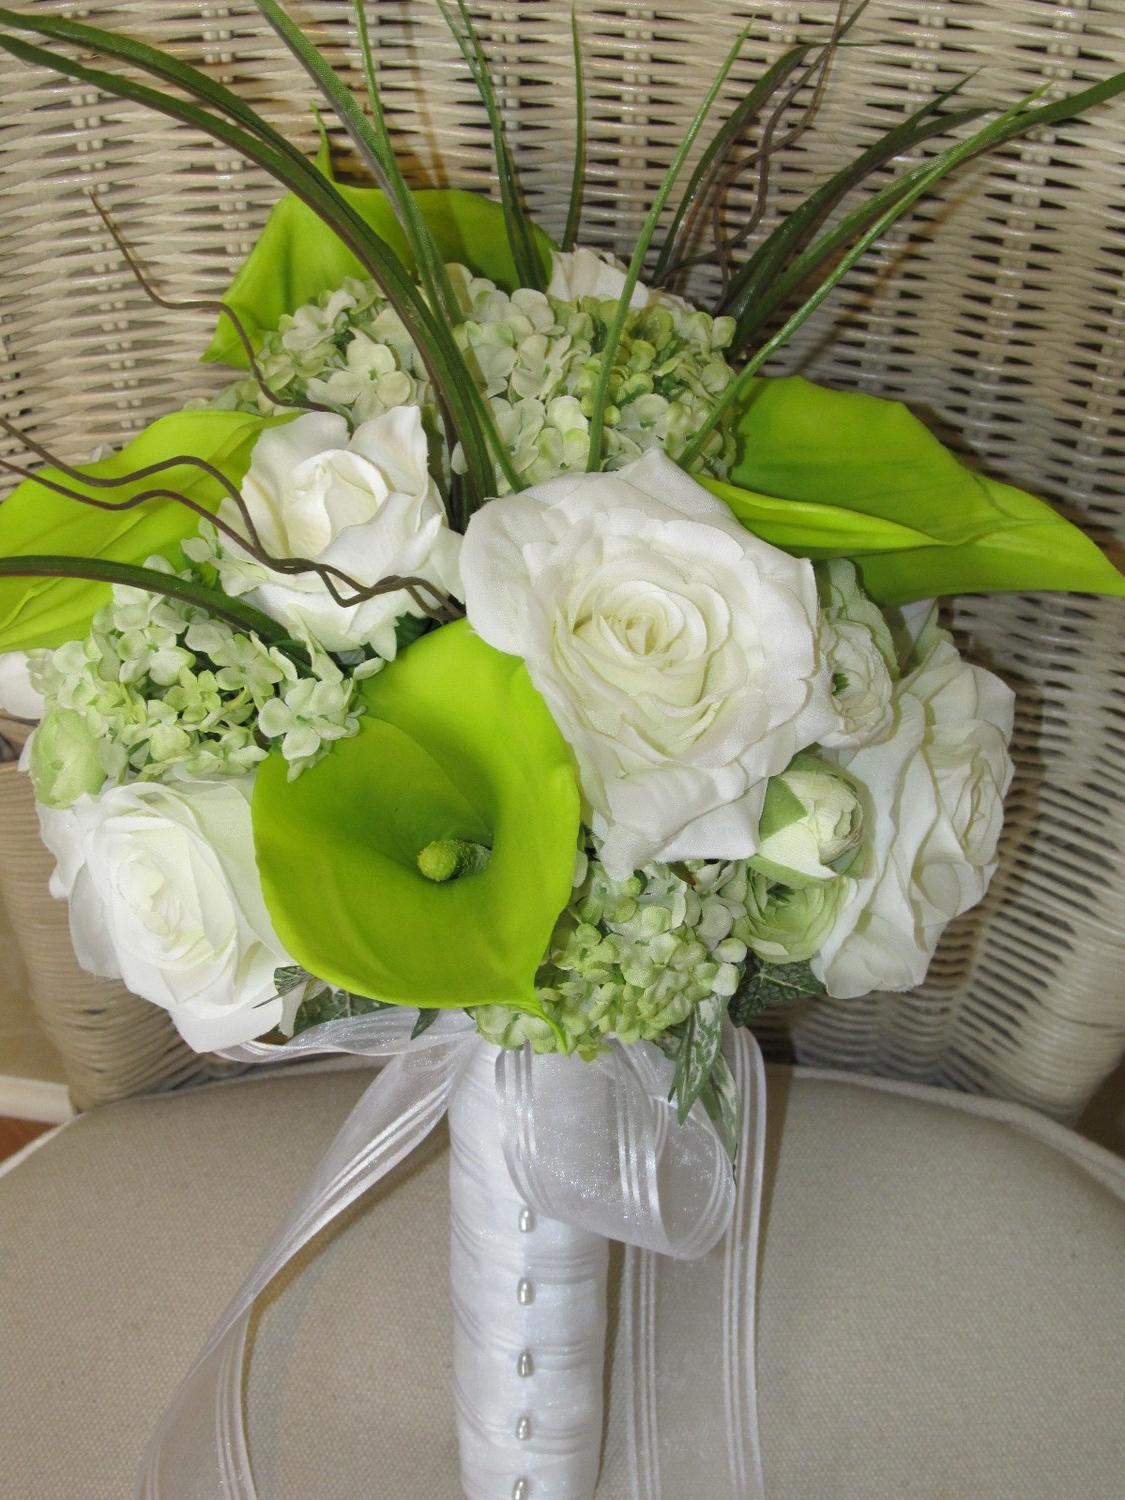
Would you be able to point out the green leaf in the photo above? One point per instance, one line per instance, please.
(426, 1019)
(290, 977)
(1012, 122)
(410, 628)
(298, 256)
(323, 1003)
(723, 1103)
(701, 1045)
(240, 128)
(835, 474)
(455, 743)
(732, 129)
(772, 984)
(36, 612)
(757, 288)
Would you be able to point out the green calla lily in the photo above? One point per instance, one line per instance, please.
(835, 474)
(34, 520)
(455, 744)
(297, 256)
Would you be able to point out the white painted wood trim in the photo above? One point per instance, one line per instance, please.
(33, 1099)
(12, 1162)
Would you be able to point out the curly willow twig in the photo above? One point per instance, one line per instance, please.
(816, 71)
(441, 608)
(212, 305)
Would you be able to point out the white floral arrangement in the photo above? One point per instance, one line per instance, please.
(502, 645)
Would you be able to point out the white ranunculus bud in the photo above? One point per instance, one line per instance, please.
(934, 792)
(812, 823)
(365, 504)
(676, 651)
(164, 894)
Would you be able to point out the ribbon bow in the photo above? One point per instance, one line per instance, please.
(622, 1167)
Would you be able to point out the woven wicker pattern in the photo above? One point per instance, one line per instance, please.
(1005, 328)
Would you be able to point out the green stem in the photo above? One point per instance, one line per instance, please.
(574, 212)
(242, 616)
(632, 275)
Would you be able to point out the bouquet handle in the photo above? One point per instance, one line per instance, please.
(529, 1305)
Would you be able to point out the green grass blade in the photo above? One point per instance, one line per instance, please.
(723, 139)
(578, 180)
(372, 142)
(632, 275)
(753, 282)
(431, 333)
(519, 231)
(234, 611)
(151, 60)
(943, 164)
(1013, 123)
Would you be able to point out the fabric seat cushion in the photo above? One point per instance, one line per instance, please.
(942, 1295)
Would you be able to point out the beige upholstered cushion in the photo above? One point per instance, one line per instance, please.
(942, 1301)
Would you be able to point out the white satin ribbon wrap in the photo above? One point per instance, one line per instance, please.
(595, 1145)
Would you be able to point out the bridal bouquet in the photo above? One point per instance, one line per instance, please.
(502, 675)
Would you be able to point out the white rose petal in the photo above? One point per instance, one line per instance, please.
(859, 653)
(365, 504)
(934, 793)
(862, 684)
(676, 651)
(590, 273)
(164, 894)
(597, 273)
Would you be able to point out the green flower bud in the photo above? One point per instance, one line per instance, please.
(783, 925)
(65, 761)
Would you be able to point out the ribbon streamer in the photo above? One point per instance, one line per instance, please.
(592, 1144)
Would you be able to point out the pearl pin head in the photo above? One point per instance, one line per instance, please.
(525, 1292)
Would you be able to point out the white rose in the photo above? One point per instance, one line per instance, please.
(676, 651)
(366, 505)
(934, 791)
(17, 696)
(164, 894)
(859, 655)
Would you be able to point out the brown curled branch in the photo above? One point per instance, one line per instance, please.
(439, 606)
(816, 71)
(213, 305)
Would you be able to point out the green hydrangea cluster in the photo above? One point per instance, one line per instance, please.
(159, 690)
(537, 360)
(629, 959)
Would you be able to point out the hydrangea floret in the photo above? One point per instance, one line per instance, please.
(160, 691)
(537, 359)
(630, 958)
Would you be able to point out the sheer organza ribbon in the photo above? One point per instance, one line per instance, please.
(593, 1144)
